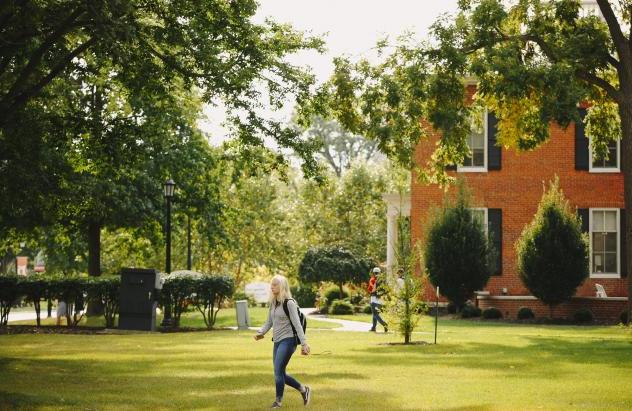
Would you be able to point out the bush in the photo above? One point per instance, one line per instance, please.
(492, 313)
(552, 251)
(341, 307)
(106, 290)
(323, 309)
(304, 295)
(525, 313)
(8, 294)
(332, 293)
(176, 293)
(624, 317)
(34, 289)
(458, 254)
(240, 295)
(367, 309)
(210, 291)
(470, 311)
(356, 299)
(583, 315)
(451, 308)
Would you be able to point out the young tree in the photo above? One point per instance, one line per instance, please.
(457, 252)
(535, 62)
(552, 251)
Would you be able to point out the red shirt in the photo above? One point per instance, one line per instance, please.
(371, 287)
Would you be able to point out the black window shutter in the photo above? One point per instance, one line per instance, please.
(581, 143)
(584, 215)
(493, 151)
(624, 266)
(495, 229)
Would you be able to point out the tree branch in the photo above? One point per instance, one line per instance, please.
(614, 27)
(615, 94)
(21, 99)
(36, 58)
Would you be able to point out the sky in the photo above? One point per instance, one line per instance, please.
(350, 27)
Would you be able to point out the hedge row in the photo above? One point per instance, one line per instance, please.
(206, 293)
(74, 290)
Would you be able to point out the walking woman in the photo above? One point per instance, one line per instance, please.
(284, 326)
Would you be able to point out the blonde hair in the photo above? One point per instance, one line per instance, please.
(284, 290)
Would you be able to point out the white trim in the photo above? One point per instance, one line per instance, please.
(485, 218)
(592, 169)
(590, 235)
(478, 169)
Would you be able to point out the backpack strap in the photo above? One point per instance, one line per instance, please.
(287, 312)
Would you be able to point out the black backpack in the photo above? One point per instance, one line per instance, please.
(301, 318)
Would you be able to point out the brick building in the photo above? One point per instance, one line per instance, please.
(507, 187)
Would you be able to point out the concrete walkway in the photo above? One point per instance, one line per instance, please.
(347, 325)
(29, 315)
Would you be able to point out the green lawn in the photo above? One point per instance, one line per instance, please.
(225, 318)
(476, 366)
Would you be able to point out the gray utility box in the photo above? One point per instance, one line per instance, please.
(138, 299)
(243, 319)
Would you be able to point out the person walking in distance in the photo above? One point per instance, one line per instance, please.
(287, 333)
(376, 302)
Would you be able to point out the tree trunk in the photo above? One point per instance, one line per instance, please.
(550, 312)
(94, 262)
(94, 249)
(625, 112)
(36, 304)
(341, 292)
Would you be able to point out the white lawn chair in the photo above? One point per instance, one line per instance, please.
(601, 293)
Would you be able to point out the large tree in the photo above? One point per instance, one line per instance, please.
(339, 148)
(534, 62)
(211, 48)
(99, 103)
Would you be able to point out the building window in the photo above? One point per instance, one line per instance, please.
(477, 142)
(480, 215)
(604, 242)
(600, 165)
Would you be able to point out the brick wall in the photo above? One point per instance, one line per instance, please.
(517, 189)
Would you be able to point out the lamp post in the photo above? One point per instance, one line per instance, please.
(169, 187)
(188, 242)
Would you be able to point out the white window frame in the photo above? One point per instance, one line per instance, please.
(590, 231)
(486, 218)
(592, 169)
(478, 169)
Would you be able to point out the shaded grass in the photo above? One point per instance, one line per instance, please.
(225, 318)
(476, 366)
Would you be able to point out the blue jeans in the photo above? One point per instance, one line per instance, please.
(375, 310)
(281, 354)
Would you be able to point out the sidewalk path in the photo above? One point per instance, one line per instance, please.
(347, 325)
(28, 315)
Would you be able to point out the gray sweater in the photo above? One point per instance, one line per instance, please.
(278, 321)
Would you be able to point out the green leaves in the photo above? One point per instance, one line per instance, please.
(552, 251)
(457, 252)
(533, 62)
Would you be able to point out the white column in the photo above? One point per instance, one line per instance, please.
(396, 206)
(391, 241)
